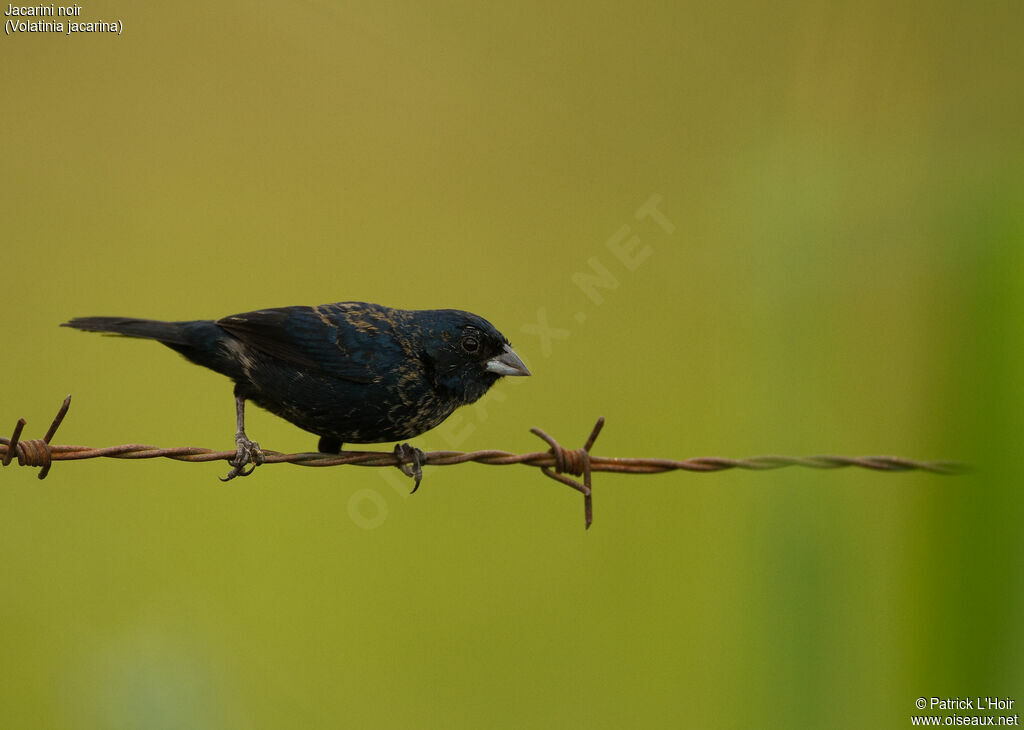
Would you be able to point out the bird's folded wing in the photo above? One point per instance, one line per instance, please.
(301, 336)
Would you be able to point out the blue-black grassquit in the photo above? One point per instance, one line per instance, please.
(349, 372)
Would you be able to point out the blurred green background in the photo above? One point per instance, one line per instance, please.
(838, 267)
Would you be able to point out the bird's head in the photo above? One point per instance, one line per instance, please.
(465, 354)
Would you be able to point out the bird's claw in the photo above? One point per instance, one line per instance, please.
(248, 453)
(415, 457)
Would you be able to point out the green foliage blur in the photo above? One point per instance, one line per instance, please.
(830, 260)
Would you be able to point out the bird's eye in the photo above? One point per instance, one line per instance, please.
(470, 344)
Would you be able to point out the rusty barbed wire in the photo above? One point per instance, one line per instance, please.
(555, 463)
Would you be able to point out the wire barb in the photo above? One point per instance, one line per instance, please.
(35, 452)
(554, 463)
(575, 462)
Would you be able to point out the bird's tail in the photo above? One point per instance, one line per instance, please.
(171, 333)
(201, 340)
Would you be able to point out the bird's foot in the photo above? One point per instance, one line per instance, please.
(415, 457)
(248, 453)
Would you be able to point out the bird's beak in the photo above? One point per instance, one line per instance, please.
(507, 363)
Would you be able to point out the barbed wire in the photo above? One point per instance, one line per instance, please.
(557, 462)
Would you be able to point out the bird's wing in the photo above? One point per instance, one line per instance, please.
(311, 339)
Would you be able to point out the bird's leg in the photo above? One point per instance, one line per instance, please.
(248, 451)
(405, 452)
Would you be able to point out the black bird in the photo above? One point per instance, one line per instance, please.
(349, 372)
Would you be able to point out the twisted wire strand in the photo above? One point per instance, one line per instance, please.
(491, 457)
(555, 463)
